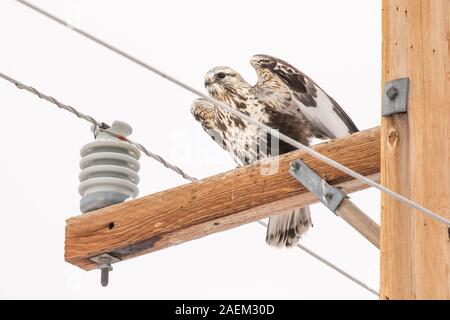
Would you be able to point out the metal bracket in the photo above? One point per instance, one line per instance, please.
(104, 262)
(330, 196)
(395, 97)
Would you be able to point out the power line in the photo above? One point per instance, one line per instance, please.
(331, 265)
(104, 127)
(237, 113)
(54, 101)
(100, 125)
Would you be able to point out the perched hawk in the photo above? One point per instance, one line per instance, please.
(285, 99)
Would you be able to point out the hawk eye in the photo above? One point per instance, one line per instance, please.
(221, 75)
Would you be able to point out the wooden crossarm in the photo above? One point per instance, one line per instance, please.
(214, 204)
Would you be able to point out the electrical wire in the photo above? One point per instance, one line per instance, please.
(100, 125)
(331, 265)
(273, 132)
(104, 127)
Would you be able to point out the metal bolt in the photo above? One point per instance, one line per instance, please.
(105, 267)
(392, 93)
(294, 166)
(328, 196)
(104, 126)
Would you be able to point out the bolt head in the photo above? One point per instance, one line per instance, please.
(392, 93)
(294, 166)
(328, 196)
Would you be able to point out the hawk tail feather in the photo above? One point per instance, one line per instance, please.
(285, 230)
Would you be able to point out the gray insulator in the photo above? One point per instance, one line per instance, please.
(109, 170)
(101, 199)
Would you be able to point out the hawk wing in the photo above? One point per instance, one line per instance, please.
(326, 117)
(204, 112)
(219, 130)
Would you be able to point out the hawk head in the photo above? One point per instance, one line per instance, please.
(222, 83)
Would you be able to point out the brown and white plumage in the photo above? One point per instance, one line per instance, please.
(285, 99)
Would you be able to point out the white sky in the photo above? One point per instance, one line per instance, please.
(337, 43)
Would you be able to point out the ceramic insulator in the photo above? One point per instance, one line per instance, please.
(109, 169)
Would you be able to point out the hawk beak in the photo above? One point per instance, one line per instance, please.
(207, 83)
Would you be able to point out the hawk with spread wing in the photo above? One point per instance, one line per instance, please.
(285, 99)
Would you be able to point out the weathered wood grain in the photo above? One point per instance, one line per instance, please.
(214, 204)
(361, 222)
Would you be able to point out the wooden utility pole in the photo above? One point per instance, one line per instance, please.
(415, 151)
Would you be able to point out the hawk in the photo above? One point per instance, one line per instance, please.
(285, 99)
